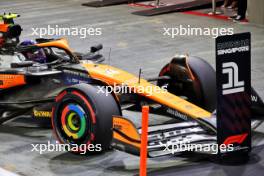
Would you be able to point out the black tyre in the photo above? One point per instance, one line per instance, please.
(1, 115)
(202, 90)
(82, 115)
(1, 112)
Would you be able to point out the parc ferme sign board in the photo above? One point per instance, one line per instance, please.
(233, 77)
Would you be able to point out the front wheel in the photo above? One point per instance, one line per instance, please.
(82, 118)
(191, 77)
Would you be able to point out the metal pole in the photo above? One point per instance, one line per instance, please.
(157, 3)
(214, 12)
(213, 7)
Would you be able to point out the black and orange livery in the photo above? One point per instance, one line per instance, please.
(69, 92)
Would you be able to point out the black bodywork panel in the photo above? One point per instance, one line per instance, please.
(41, 86)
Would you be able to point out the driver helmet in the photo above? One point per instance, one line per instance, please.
(37, 55)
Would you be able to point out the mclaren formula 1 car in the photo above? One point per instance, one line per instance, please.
(71, 91)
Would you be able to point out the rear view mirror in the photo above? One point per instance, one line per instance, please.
(96, 48)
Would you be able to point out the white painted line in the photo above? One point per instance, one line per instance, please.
(6, 173)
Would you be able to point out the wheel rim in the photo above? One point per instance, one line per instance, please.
(73, 121)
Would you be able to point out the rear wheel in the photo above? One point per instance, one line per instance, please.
(1, 113)
(6, 116)
(82, 118)
(193, 78)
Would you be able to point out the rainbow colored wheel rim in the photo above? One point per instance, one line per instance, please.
(73, 121)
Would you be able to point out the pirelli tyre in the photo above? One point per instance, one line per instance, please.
(82, 118)
(199, 86)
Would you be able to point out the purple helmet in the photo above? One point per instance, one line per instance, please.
(36, 56)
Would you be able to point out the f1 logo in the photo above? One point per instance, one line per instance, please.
(236, 139)
(233, 85)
